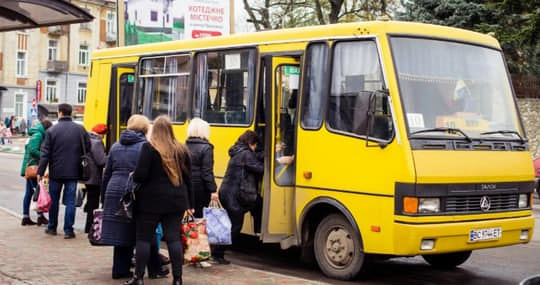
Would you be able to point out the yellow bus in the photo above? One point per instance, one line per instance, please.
(406, 137)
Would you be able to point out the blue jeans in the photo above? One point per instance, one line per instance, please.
(70, 190)
(30, 187)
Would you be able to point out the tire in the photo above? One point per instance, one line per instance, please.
(447, 260)
(338, 248)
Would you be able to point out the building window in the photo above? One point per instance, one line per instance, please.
(51, 95)
(83, 55)
(153, 16)
(53, 50)
(21, 63)
(19, 105)
(86, 26)
(111, 24)
(81, 92)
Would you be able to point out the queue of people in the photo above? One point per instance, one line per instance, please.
(173, 178)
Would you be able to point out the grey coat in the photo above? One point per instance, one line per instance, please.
(99, 158)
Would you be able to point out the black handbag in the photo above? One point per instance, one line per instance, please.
(128, 199)
(247, 194)
(84, 165)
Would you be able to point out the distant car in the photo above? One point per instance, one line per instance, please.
(536, 162)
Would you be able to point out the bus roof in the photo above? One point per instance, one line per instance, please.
(303, 34)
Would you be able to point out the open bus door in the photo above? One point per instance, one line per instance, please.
(120, 100)
(280, 143)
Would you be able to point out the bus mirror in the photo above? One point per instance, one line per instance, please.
(380, 124)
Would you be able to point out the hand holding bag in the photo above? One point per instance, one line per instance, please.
(194, 239)
(44, 200)
(218, 224)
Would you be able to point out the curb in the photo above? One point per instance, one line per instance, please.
(11, 149)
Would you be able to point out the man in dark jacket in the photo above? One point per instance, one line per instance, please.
(61, 151)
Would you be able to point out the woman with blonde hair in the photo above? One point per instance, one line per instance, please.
(164, 174)
(121, 161)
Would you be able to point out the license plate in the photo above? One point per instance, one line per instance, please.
(485, 234)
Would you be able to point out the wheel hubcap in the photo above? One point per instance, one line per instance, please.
(339, 247)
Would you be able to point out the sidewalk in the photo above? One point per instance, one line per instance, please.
(17, 145)
(28, 256)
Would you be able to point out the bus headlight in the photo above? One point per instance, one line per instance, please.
(523, 201)
(429, 205)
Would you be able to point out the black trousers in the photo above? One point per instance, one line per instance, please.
(146, 224)
(237, 221)
(92, 202)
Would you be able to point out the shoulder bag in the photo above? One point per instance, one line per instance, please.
(247, 194)
(84, 166)
(30, 172)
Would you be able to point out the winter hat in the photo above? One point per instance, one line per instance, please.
(100, 129)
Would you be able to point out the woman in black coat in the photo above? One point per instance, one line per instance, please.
(242, 155)
(121, 161)
(202, 164)
(164, 173)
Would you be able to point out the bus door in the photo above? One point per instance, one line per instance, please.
(120, 100)
(278, 203)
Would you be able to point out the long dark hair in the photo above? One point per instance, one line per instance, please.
(172, 152)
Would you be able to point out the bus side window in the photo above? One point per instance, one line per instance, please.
(314, 85)
(224, 86)
(164, 86)
(356, 73)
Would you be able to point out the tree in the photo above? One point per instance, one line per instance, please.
(515, 23)
(275, 14)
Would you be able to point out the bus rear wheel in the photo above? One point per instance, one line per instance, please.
(338, 249)
(447, 260)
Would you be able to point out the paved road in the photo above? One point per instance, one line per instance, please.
(508, 265)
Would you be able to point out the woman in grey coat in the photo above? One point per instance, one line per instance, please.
(93, 185)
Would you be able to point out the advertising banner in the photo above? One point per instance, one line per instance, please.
(206, 18)
(149, 21)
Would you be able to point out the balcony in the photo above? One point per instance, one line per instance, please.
(56, 66)
(85, 27)
(56, 31)
(110, 38)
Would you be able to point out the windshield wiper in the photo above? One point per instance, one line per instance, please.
(445, 130)
(503, 132)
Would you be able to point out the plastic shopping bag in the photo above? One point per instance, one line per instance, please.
(194, 239)
(218, 224)
(35, 196)
(94, 235)
(44, 200)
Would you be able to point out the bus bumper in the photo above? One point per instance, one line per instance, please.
(455, 236)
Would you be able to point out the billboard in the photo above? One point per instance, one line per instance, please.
(148, 21)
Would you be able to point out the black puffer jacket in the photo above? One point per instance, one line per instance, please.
(240, 155)
(202, 172)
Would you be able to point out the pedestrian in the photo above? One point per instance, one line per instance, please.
(14, 125)
(22, 127)
(2, 130)
(243, 160)
(93, 185)
(163, 171)
(32, 155)
(61, 152)
(202, 167)
(121, 160)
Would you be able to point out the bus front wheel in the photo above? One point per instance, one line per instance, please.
(447, 260)
(338, 249)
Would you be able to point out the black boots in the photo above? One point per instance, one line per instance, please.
(135, 281)
(41, 220)
(27, 222)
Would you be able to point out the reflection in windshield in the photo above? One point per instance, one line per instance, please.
(453, 85)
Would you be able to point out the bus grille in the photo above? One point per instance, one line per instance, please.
(471, 204)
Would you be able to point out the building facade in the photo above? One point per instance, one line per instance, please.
(50, 65)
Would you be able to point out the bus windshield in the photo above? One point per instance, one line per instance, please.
(451, 85)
